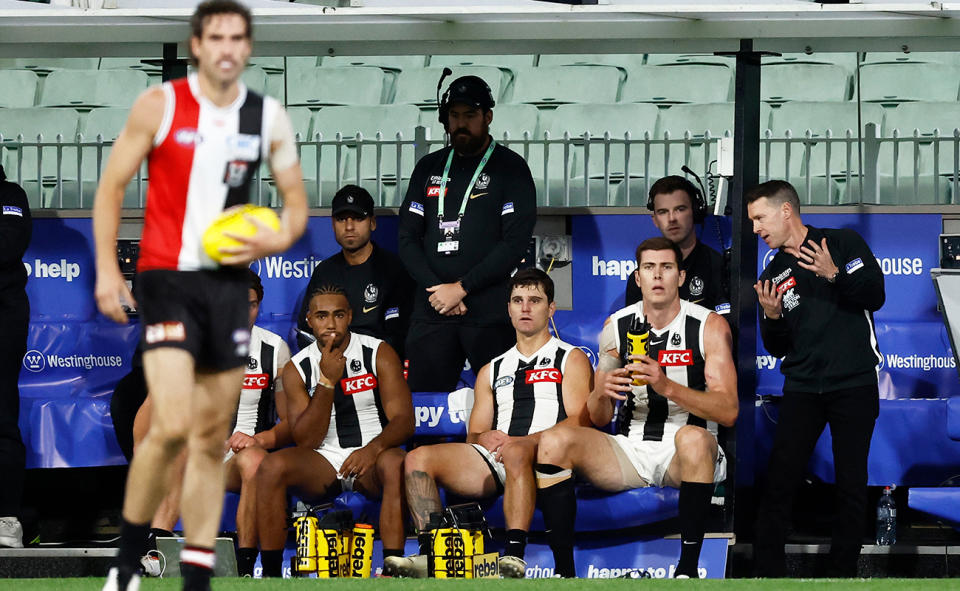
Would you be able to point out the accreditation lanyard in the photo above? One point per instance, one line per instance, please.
(450, 244)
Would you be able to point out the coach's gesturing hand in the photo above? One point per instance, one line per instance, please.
(816, 257)
(770, 298)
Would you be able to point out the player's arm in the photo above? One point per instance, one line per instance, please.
(288, 178)
(310, 426)
(129, 150)
(719, 403)
(481, 415)
(279, 435)
(398, 408)
(576, 388)
(611, 383)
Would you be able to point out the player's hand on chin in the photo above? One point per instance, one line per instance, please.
(265, 242)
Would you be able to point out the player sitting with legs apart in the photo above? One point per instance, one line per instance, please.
(534, 385)
(351, 410)
(673, 397)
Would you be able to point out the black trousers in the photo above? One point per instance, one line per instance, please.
(128, 397)
(14, 324)
(436, 351)
(851, 414)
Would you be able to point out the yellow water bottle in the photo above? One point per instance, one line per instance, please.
(637, 336)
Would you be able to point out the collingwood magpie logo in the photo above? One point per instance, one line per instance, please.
(675, 339)
(544, 362)
(252, 363)
(33, 361)
(696, 286)
(370, 293)
(483, 181)
(355, 365)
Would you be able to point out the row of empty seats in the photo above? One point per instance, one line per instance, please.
(608, 79)
(661, 140)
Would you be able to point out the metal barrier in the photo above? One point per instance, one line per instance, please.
(870, 169)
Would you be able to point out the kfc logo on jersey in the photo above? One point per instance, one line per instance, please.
(433, 191)
(789, 283)
(357, 384)
(187, 137)
(536, 376)
(256, 381)
(668, 358)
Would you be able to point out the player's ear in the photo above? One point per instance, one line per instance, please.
(683, 277)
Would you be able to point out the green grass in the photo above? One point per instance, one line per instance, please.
(94, 584)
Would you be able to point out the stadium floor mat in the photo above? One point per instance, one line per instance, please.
(94, 584)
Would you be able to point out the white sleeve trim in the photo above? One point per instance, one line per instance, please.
(169, 106)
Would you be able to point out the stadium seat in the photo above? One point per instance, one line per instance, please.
(255, 78)
(893, 83)
(799, 117)
(557, 85)
(678, 84)
(44, 65)
(360, 166)
(617, 119)
(846, 60)
(497, 61)
(787, 81)
(950, 58)
(276, 65)
(419, 86)
(150, 66)
(48, 123)
(319, 86)
(92, 88)
(391, 62)
(626, 61)
(18, 89)
(672, 59)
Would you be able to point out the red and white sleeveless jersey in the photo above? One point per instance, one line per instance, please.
(202, 162)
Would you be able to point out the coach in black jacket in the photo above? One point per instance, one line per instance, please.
(817, 295)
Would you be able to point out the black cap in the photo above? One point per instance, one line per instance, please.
(353, 199)
(470, 90)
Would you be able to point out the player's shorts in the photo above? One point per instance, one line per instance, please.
(649, 461)
(335, 455)
(496, 468)
(202, 312)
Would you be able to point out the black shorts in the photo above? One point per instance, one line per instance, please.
(201, 312)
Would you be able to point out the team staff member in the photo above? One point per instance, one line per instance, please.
(818, 296)
(203, 136)
(465, 224)
(538, 382)
(15, 230)
(377, 285)
(677, 206)
(666, 427)
(351, 411)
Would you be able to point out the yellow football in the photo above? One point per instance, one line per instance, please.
(234, 221)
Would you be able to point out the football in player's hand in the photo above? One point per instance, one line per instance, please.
(235, 221)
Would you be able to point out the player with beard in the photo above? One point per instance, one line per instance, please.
(378, 287)
(351, 410)
(465, 223)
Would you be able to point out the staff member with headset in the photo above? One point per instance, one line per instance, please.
(465, 223)
(677, 206)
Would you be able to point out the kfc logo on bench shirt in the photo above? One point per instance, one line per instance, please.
(353, 385)
(255, 381)
(789, 283)
(675, 358)
(535, 376)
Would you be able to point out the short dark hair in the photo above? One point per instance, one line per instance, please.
(255, 284)
(669, 184)
(779, 192)
(533, 277)
(327, 289)
(210, 8)
(659, 243)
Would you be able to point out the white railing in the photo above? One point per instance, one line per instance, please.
(827, 169)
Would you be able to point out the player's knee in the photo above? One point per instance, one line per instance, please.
(695, 444)
(517, 457)
(390, 465)
(171, 437)
(418, 460)
(272, 471)
(553, 444)
(248, 462)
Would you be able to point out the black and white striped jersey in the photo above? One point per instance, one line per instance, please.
(357, 415)
(257, 410)
(678, 348)
(528, 392)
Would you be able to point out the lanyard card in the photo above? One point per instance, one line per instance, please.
(450, 244)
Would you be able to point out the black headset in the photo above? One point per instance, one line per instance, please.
(473, 85)
(696, 195)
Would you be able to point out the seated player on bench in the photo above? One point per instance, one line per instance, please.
(532, 386)
(351, 410)
(666, 427)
